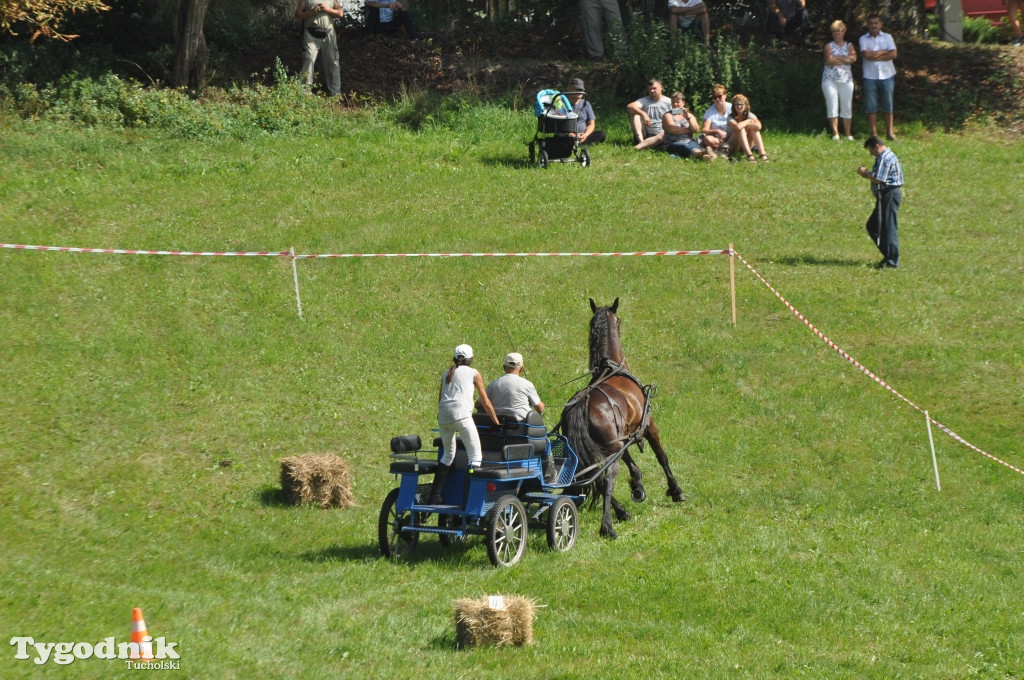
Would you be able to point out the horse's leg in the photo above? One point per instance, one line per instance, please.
(636, 479)
(609, 487)
(651, 435)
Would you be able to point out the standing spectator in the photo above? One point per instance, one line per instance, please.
(878, 50)
(592, 12)
(319, 37)
(745, 130)
(837, 80)
(384, 16)
(646, 114)
(886, 179)
(586, 121)
(1012, 7)
(790, 19)
(685, 12)
(680, 125)
(715, 127)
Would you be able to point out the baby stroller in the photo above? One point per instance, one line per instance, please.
(556, 125)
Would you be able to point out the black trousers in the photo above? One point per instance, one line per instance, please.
(883, 224)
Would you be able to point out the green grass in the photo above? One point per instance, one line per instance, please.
(813, 543)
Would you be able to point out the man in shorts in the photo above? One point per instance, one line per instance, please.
(878, 50)
(645, 116)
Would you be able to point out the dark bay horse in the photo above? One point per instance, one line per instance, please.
(608, 416)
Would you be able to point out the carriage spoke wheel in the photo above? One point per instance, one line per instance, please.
(563, 525)
(506, 533)
(542, 160)
(395, 543)
(584, 158)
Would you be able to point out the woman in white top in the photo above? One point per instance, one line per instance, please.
(455, 415)
(716, 123)
(837, 80)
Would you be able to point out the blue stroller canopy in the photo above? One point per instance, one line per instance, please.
(551, 101)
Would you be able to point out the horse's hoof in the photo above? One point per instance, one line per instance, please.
(676, 495)
(609, 534)
(639, 495)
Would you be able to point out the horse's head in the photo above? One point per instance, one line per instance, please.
(604, 336)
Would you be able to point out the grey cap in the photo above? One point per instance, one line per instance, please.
(576, 85)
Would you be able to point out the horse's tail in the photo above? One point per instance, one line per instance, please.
(575, 424)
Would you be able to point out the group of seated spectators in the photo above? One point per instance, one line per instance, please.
(727, 128)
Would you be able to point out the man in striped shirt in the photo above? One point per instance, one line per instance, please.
(886, 178)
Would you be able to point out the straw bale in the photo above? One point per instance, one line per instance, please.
(480, 623)
(317, 478)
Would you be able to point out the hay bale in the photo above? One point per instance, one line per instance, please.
(494, 620)
(320, 478)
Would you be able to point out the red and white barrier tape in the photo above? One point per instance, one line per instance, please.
(839, 350)
(317, 256)
(648, 253)
(119, 251)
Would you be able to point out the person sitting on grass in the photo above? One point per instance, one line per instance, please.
(745, 130)
(715, 129)
(645, 116)
(680, 125)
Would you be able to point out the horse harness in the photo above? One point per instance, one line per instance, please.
(610, 369)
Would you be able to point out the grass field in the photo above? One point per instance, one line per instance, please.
(813, 542)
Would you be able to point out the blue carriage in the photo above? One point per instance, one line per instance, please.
(498, 500)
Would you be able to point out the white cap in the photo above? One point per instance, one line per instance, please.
(463, 352)
(514, 360)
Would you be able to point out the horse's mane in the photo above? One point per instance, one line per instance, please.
(599, 332)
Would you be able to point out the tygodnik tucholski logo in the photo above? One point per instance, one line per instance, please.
(135, 654)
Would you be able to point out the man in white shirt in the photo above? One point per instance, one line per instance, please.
(878, 50)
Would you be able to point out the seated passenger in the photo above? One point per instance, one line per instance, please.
(716, 123)
(745, 130)
(512, 396)
(384, 16)
(680, 125)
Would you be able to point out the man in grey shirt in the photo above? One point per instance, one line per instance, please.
(511, 394)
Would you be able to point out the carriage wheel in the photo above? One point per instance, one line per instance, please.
(395, 543)
(563, 524)
(542, 160)
(506, 533)
(584, 158)
(449, 522)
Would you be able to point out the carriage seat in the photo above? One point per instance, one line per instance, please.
(420, 466)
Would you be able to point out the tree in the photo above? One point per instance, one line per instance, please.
(43, 17)
(190, 53)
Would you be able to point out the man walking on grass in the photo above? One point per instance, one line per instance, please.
(886, 179)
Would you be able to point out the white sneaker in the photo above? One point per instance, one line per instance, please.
(849, 138)
(835, 138)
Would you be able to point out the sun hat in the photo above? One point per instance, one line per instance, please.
(463, 352)
(513, 360)
(576, 85)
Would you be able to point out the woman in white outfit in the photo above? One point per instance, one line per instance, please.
(455, 415)
(837, 80)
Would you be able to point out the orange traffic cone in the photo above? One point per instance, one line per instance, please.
(143, 651)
